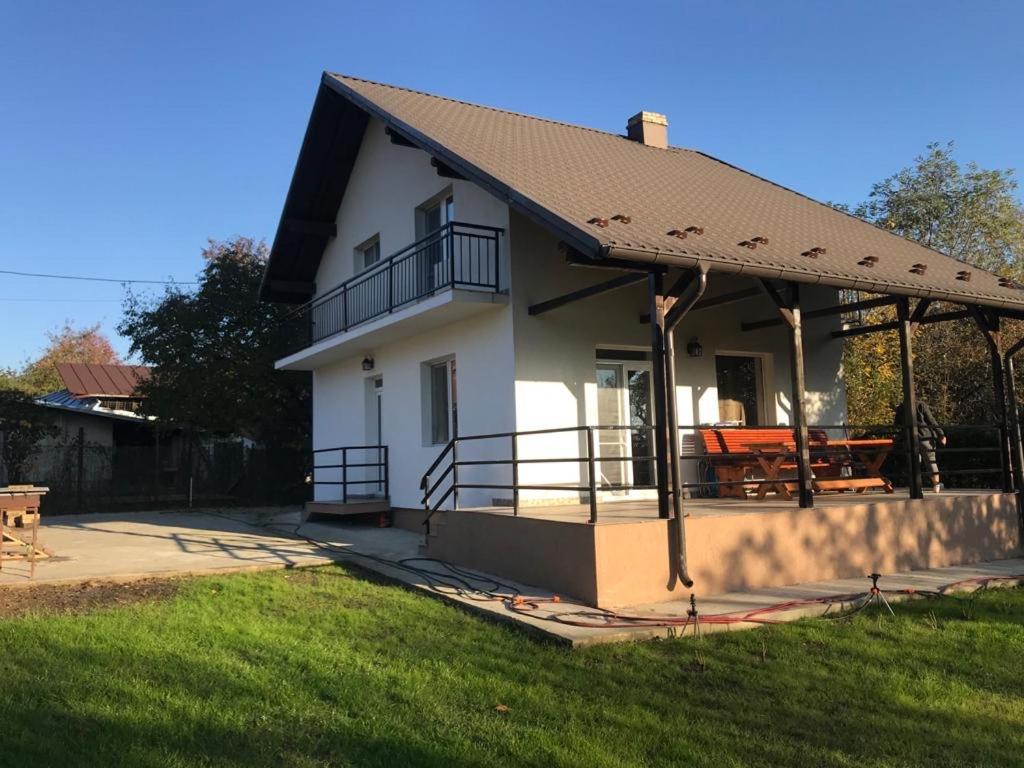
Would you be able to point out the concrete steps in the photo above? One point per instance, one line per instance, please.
(437, 525)
(344, 509)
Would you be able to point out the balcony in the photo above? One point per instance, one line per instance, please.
(457, 257)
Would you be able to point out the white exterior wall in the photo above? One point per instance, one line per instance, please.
(482, 347)
(555, 352)
(517, 372)
(388, 182)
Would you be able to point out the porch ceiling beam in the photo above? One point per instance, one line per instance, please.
(787, 308)
(584, 293)
(838, 309)
(715, 301)
(938, 317)
(918, 315)
(310, 227)
(726, 298)
(446, 171)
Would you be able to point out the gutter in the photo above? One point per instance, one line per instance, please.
(673, 317)
(725, 266)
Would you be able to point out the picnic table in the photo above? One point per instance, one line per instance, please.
(19, 523)
(870, 452)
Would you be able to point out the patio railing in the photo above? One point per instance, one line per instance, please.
(362, 466)
(620, 459)
(458, 255)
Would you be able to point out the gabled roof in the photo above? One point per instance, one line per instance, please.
(565, 176)
(92, 380)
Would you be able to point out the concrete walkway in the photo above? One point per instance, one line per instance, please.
(126, 547)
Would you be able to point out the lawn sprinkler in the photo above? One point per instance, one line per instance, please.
(875, 594)
(692, 614)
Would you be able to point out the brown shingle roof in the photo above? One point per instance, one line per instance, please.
(567, 175)
(92, 380)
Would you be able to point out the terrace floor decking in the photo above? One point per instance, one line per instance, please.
(633, 510)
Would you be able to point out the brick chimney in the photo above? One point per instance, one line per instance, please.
(648, 128)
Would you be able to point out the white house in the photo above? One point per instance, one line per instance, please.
(475, 288)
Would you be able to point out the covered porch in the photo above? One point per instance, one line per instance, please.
(720, 506)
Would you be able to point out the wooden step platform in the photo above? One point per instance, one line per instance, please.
(858, 484)
(345, 509)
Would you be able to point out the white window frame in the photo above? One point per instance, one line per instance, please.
(451, 404)
(361, 250)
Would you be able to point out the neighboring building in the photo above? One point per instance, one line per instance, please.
(99, 407)
(465, 271)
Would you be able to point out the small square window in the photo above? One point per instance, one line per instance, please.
(368, 253)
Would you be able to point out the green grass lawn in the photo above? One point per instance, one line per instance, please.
(328, 667)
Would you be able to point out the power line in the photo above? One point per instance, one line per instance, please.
(62, 301)
(95, 279)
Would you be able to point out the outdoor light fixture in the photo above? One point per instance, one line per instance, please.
(694, 349)
(367, 363)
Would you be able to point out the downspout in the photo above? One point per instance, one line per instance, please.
(672, 319)
(1017, 458)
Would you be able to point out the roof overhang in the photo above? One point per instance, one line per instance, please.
(329, 148)
(332, 141)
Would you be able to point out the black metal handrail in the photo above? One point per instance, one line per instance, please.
(458, 255)
(382, 476)
(438, 488)
(590, 458)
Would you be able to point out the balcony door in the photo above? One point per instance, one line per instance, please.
(624, 400)
(433, 261)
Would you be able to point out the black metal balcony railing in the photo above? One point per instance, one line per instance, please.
(458, 255)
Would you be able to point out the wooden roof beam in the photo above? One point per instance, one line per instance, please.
(583, 293)
(837, 309)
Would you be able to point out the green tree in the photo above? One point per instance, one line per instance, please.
(974, 215)
(22, 426)
(212, 353)
(67, 345)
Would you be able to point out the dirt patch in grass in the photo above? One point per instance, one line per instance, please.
(84, 597)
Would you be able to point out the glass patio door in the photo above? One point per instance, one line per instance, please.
(435, 261)
(624, 400)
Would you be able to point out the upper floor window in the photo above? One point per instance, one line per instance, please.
(435, 213)
(368, 253)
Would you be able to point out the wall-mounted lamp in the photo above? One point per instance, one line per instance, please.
(694, 349)
(367, 363)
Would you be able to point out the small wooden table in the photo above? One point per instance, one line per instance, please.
(19, 509)
(872, 453)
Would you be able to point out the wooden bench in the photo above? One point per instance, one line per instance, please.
(732, 458)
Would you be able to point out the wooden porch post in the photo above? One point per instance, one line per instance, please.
(988, 322)
(1015, 436)
(790, 311)
(659, 394)
(913, 435)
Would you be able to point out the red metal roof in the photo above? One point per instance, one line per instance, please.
(90, 380)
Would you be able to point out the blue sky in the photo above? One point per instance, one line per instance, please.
(132, 132)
